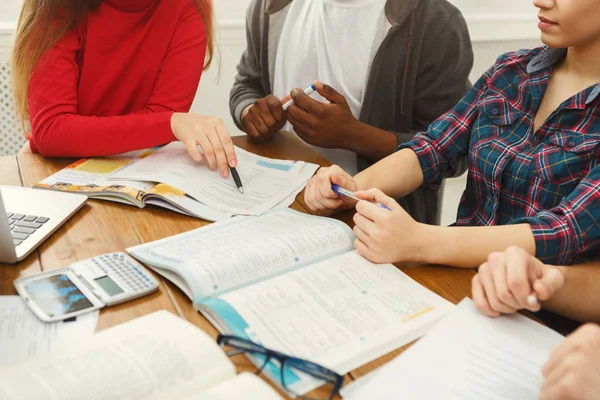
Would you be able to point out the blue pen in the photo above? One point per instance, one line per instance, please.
(343, 192)
(308, 91)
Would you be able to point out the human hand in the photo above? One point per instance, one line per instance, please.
(318, 194)
(506, 282)
(210, 134)
(264, 118)
(384, 236)
(328, 125)
(573, 371)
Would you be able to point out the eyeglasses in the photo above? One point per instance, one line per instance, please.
(288, 366)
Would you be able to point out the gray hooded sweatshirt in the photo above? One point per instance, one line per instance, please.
(418, 69)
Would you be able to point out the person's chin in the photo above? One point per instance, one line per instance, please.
(553, 41)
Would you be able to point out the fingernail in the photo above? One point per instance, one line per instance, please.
(295, 92)
(226, 173)
(233, 163)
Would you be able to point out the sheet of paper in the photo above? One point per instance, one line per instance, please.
(23, 335)
(266, 182)
(341, 313)
(469, 357)
(240, 251)
(158, 356)
(243, 386)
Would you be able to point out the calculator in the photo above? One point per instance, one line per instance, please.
(85, 286)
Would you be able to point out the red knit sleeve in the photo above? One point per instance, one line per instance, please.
(57, 129)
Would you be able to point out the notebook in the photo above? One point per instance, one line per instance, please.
(468, 356)
(167, 177)
(292, 282)
(158, 356)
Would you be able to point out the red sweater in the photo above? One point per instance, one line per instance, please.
(112, 85)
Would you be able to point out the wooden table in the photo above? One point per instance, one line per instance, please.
(102, 227)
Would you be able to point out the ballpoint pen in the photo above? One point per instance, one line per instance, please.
(308, 91)
(344, 192)
(236, 179)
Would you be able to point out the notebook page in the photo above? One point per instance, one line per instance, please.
(469, 356)
(266, 182)
(238, 252)
(341, 313)
(156, 356)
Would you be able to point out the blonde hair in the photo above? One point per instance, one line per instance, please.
(44, 22)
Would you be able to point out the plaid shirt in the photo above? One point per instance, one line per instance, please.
(548, 179)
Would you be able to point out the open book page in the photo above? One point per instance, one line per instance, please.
(469, 357)
(156, 356)
(90, 177)
(242, 387)
(341, 313)
(266, 181)
(166, 196)
(230, 254)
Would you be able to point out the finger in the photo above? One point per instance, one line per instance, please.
(207, 148)
(276, 108)
(551, 390)
(362, 235)
(259, 123)
(192, 150)
(487, 281)
(372, 211)
(300, 119)
(251, 130)
(366, 225)
(217, 146)
(329, 93)
(306, 103)
(378, 196)
(324, 178)
(227, 144)
(552, 280)
(516, 276)
(501, 285)
(363, 249)
(480, 299)
(569, 347)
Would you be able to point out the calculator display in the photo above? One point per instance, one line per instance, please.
(109, 286)
(57, 295)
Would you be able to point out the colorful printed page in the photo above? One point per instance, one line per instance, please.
(90, 176)
(267, 182)
(342, 313)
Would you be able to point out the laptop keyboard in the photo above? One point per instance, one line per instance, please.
(22, 226)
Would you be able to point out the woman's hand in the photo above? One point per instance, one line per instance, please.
(384, 236)
(210, 134)
(318, 194)
(508, 281)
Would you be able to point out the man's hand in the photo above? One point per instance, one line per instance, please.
(329, 125)
(262, 120)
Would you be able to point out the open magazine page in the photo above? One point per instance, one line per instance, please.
(227, 255)
(158, 356)
(166, 196)
(90, 177)
(266, 182)
(340, 313)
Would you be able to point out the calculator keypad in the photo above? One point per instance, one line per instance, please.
(125, 270)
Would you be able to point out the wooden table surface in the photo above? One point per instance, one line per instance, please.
(102, 227)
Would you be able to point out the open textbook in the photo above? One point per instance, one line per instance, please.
(292, 282)
(169, 178)
(469, 357)
(158, 356)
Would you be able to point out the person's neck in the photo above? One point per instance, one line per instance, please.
(584, 62)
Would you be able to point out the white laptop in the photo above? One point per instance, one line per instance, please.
(32, 215)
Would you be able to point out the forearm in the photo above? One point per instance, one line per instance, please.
(579, 298)
(396, 175)
(370, 142)
(469, 247)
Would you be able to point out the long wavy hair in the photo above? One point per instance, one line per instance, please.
(44, 22)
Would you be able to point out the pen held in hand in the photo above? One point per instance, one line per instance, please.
(236, 179)
(344, 192)
(308, 91)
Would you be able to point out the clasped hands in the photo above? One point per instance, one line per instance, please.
(318, 123)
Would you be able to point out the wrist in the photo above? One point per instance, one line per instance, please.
(172, 124)
(427, 244)
(355, 133)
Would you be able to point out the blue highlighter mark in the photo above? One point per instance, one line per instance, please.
(215, 287)
(272, 165)
(297, 259)
(364, 292)
(362, 338)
